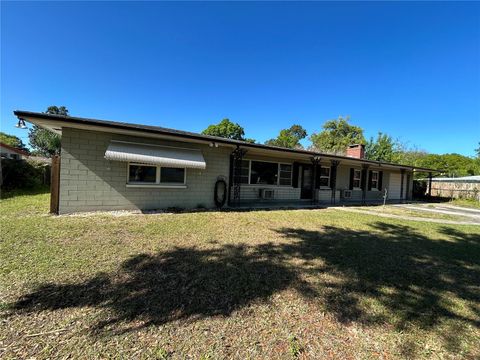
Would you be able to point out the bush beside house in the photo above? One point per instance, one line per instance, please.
(24, 174)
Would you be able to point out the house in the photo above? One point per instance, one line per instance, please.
(10, 152)
(107, 165)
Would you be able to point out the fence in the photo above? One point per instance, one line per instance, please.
(449, 189)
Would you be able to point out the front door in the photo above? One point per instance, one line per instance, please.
(306, 182)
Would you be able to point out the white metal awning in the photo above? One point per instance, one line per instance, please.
(155, 154)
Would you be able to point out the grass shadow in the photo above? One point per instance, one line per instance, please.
(11, 193)
(413, 278)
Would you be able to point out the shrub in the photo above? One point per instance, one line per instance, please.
(23, 174)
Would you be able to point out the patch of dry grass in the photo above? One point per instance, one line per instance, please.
(260, 284)
(396, 210)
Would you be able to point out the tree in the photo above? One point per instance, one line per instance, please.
(336, 135)
(477, 150)
(453, 165)
(43, 141)
(383, 148)
(289, 138)
(227, 129)
(12, 140)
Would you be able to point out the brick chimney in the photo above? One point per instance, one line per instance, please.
(356, 151)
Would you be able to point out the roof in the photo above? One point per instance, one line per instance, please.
(14, 149)
(474, 179)
(72, 120)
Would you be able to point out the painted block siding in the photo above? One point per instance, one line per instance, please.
(324, 196)
(251, 192)
(88, 182)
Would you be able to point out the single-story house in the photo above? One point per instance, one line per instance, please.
(10, 152)
(108, 165)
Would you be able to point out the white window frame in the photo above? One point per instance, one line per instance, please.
(157, 183)
(325, 177)
(278, 173)
(375, 188)
(359, 179)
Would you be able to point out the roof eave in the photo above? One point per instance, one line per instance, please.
(71, 120)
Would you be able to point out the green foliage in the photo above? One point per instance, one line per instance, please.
(162, 354)
(227, 129)
(45, 142)
(294, 347)
(384, 148)
(452, 165)
(12, 140)
(477, 150)
(23, 174)
(289, 138)
(57, 110)
(336, 136)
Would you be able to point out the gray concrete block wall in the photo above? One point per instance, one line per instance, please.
(251, 192)
(88, 182)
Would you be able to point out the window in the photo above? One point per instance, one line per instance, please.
(285, 174)
(139, 174)
(244, 171)
(142, 174)
(357, 176)
(265, 173)
(172, 175)
(374, 180)
(324, 176)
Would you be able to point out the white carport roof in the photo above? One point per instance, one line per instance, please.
(155, 154)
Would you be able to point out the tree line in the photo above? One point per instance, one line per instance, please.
(337, 134)
(333, 138)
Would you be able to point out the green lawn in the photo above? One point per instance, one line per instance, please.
(466, 203)
(262, 284)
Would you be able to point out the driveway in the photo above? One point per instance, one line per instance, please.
(473, 215)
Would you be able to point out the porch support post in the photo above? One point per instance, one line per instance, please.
(429, 184)
(333, 180)
(364, 182)
(315, 161)
(402, 176)
(236, 174)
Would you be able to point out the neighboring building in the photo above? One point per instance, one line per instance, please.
(10, 152)
(108, 165)
(459, 187)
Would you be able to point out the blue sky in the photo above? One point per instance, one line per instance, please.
(411, 70)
